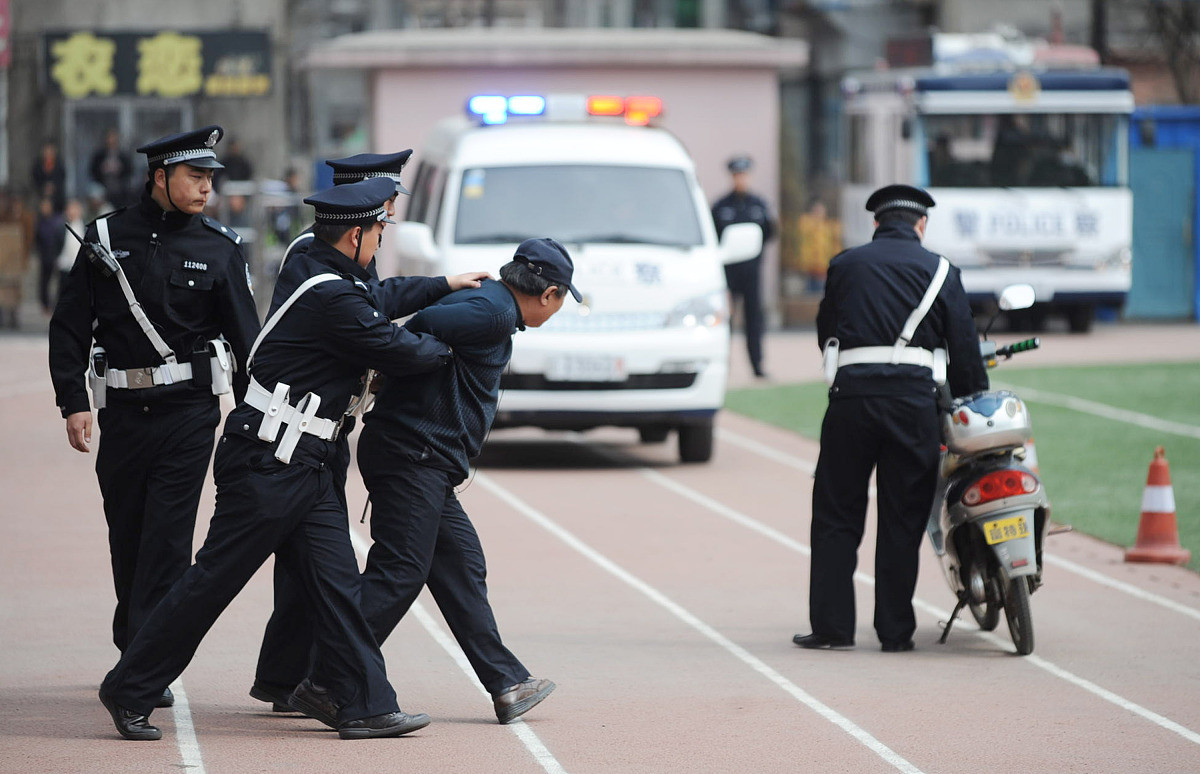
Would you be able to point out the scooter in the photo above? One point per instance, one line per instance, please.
(990, 512)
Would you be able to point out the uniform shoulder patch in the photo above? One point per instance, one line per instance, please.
(221, 229)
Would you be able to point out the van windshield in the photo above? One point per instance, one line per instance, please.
(577, 203)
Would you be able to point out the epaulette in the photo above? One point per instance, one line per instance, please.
(221, 229)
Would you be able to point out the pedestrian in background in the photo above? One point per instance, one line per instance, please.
(110, 168)
(49, 238)
(745, 277)
(49, 177)
(892, 314)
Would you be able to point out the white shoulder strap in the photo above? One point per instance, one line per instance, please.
(165, 352)
(311, 282)
(914, 319)
(307, 235)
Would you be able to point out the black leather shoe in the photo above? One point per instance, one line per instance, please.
(391, 724)
(278, 697)
(897, 647)
(820, 641)
(516, 700)
(314, 701)
(166, 700)
(130, 724)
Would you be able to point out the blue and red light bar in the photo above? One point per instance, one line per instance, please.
(497, 109)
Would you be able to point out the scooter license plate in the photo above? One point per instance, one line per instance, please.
(1001, 530)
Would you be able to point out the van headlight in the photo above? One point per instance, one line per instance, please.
(706, 311)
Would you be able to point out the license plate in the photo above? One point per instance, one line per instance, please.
(1001, 530)
(586, 368)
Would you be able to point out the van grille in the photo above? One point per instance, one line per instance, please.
(1018, 258)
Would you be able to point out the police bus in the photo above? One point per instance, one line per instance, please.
(1029, 167)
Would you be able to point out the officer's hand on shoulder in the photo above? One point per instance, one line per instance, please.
(471, 279)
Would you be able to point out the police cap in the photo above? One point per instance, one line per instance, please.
(194, 148)
(367, 165)
(354, 203)
(739, 164)
(900, 197)
(549, 260)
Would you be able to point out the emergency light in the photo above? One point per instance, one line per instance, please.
(496, 109)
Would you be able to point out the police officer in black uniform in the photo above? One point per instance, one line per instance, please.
(284, 658)
(883, 414)
(745, 277)
(275, 490)
(188, 274)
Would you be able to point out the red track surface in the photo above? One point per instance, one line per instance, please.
(662, 599)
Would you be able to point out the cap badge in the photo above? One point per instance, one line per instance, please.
(212, 138)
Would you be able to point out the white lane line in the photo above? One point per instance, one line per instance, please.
(185, 732)
(1107, 412)
(841, 721)
(536, 748)
(941, 614)
(1084, 572)
(783, 458)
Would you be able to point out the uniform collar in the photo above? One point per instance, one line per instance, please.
(517, 306)
(150, 209)
(896, 230)
(330, 256)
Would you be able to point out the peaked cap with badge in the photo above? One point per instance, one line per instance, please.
(194, 148)
(354, 203)
(364, 166)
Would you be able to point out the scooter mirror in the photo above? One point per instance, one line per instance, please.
(1017, 297)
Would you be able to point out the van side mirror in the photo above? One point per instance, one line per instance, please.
(1017, 297)
(741, 242)
(414, 241)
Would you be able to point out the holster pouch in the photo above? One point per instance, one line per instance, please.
(941, 359)
(97, 367)
(305, 411)
(830, 360)
(273, 416)
(200, 369)
(220, 366)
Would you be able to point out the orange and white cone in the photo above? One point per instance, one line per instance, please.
(1158, 534)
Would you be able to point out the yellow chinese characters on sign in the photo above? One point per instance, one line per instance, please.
(170, 65)
(83, 65)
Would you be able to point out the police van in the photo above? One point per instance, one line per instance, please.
(648, 347)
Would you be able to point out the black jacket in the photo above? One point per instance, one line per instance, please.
(189, 275)
(737, 207)
(326, 339)
(869, 293)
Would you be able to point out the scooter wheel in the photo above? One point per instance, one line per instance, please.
(1019, 615)
(986, 615)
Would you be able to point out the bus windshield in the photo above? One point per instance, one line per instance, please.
(1033, 150)
(577, 203)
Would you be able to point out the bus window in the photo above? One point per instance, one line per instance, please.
(858, 150)
(1034, 150)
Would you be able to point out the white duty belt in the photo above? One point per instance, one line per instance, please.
(300, 419)
(899, 353)
(171, 371)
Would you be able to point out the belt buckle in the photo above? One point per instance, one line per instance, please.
(143, 377)
(337, 428)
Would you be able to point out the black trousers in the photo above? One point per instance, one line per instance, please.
(745, 282)
(151, 467)
(898, 437)
(264, 506)
(286, 655)
(423, 537)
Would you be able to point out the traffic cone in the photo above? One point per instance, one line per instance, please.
(1158, 535)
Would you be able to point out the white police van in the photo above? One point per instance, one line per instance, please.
(649, 346)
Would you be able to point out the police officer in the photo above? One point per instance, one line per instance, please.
(284, 656)
(891, 314)
(275, 490)
(187, 285)
(745, 277)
